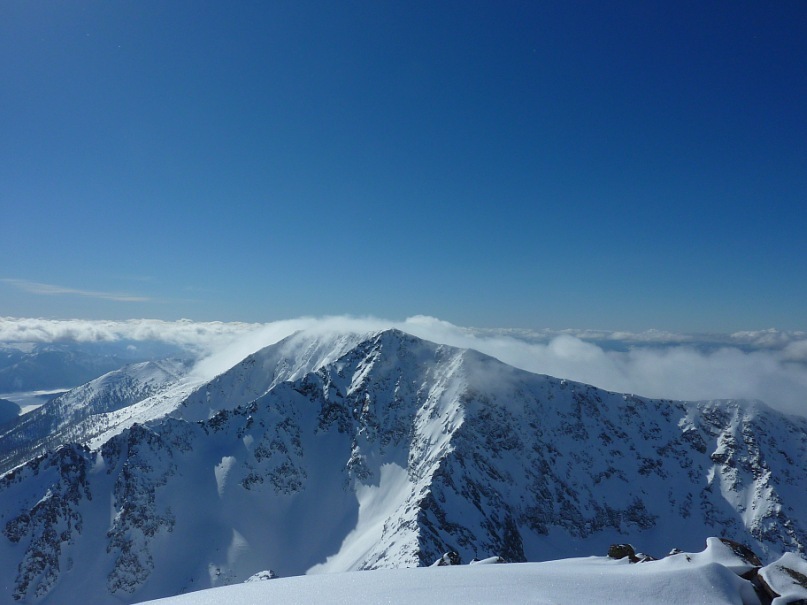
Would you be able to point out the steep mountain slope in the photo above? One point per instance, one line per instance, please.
(194, 398)
(144, 392)
(387, 451)
(289, 359)
(78, 415)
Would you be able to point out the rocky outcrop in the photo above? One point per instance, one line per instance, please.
(449, 558)
(142, 462)
(783, 581)
(44, 528)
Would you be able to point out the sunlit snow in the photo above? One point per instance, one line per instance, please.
(566, 582)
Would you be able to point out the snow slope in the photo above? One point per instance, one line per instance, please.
(347, 452)
(79, 414)
(144, 392)
(564, 582)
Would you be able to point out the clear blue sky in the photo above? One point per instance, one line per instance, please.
(617, 165)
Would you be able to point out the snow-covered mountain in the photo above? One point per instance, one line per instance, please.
(345, 452)
(35, 366)
(81, 413)
(8, 411)
(148, 391)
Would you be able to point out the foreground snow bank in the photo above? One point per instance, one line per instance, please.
(787, 577)
(570, 581)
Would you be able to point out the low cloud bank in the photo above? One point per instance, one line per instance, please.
(200, 337)
(770, 366)
(767, 365)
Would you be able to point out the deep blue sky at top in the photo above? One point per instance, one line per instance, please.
(619, 165)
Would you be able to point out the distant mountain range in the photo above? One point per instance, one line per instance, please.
(80, 413)
(8, 411)
(37, 366)
(343, 451)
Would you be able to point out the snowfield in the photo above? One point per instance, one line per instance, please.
(722, 573)
(565, 582)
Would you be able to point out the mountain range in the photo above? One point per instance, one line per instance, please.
(343, 451)
(47, 366)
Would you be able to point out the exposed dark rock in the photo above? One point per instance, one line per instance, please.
(742, 551)
(449, 558)
(262, 576)
(798, 577)
(785, 579)
(620, 551)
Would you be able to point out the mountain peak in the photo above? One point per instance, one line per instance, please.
(340, 451)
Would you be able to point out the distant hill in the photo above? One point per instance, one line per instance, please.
(8, 411)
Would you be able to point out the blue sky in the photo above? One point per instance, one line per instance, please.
(625, 165)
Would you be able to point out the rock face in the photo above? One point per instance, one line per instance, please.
(621, 551)
(50, 524)
(449, 558)
(390, 451)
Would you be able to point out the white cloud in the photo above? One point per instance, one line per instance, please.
(199, 336)
(769, 365)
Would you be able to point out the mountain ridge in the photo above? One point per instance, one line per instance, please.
(388, 453)
(64, 418)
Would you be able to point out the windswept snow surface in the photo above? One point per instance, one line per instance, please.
(566, 582)
(788, 577)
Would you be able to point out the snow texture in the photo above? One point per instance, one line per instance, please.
(566, 582)
(787, 577)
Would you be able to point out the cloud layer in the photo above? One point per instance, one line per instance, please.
(767, 365)
(203, 337)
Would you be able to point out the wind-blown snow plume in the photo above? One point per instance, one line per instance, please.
(769, 365)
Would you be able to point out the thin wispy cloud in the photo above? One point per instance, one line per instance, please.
(33, 287)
